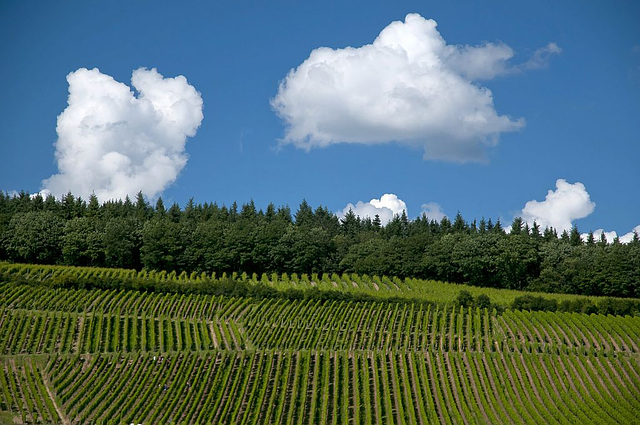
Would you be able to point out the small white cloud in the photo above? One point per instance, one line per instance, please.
(610, 236)
(597, 234)
(560, 208)
(482, 62)
(386, 207)
(408, 86)
(628, 237)
(540, 58)
(433, 211)
(114, 143)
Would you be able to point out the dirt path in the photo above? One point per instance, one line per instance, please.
(61, 415)
(78, 331)
(214, 338)
(236, 343)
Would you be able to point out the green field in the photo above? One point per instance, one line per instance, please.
(126, 356)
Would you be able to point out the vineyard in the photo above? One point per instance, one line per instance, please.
(97, 355)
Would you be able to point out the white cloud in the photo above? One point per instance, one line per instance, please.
(540, 59)
(610, 236)
(386, 207)
(560, 208)
(490, 60)
(115, 143)
(628, 237)
(408, 86)
(433, 211)
(482, 62)
(597, 234)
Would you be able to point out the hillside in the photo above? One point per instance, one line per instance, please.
(88, 355)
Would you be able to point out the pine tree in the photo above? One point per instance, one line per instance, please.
(93, 209)
(304, 216)
(535, 231)
(483, 226)
(377, 223)
(574, 237)
(459, 225)
(143, 209)
(516, 226)
(160, 211)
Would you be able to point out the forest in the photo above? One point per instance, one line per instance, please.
(215, 239)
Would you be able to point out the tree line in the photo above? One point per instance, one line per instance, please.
(210, 238)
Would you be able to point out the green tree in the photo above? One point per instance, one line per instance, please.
(82, 243)
(34, 237)
(161, 245)
(121, 242)
(304, 250)
(516, 226)
(304, 215)
(464, 299)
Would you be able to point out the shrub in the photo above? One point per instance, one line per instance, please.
(531, 303)
(483, 301)
(464, 299)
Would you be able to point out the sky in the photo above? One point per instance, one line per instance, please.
(492, 109)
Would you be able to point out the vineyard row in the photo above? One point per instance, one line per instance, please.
(310, 387)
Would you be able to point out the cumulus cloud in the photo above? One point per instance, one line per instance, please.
(610, 236)
(433, 211)
(560, 208)
(408, 86)
(115, 143)
(628, 237)
(597, 234)
(386, 207)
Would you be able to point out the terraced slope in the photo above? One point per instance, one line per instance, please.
(103, 356)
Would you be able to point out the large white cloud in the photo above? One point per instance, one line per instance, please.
(408, 86)
(114, 143)
(561, 207)
(386, 207)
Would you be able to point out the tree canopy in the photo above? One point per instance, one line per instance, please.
(211, 238)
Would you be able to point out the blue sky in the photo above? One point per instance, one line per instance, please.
(571, 74)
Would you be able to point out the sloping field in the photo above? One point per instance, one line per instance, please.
(124, 356)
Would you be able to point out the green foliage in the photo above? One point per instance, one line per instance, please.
(464, 299)
(34, 237)
(531, 303)
(212, 239)
(483, 301)
(314, 353)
